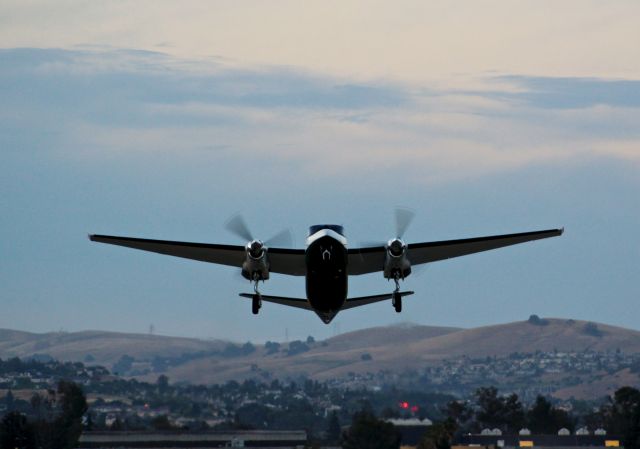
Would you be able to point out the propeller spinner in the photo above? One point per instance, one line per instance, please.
(255, 268)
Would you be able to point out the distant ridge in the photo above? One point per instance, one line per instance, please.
(104, 346)
(391, 348)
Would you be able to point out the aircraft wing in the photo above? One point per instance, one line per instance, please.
(364, 300)
(304, 304)
(371, 260)
(284, 261)
(284, 301)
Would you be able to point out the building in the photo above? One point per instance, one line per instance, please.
(526, 439)
(411, 430)
(266, 439)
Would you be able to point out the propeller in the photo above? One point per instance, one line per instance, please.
(403, 218)
(282, 239)
(237, 225)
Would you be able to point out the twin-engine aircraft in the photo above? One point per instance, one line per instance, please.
(326, 262)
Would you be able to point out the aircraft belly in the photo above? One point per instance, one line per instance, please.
(326, 279)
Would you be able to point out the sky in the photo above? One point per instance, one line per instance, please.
(161, 119)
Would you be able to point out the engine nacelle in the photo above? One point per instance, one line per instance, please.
(256, 264)
(396, 263)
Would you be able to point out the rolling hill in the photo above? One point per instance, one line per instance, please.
(393, 348)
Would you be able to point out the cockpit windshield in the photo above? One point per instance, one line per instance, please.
(336, 228)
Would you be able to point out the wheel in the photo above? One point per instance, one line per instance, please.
(397, 302)
(255, 304)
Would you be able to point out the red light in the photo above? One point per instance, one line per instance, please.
(404, 404)
(414, 409)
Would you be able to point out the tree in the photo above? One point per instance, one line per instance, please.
(271, 347)
(459, 412)
(513, 413)
(15, 432)
(389, 412)
(494, 411)
(74, 403)
(68, 425)
(117, 424)
(161, 422)
(592, 329)
(490, 407)
(163, 384)
(537, 321)
(545, 418)
(368, 432)
(333, 428)
(297, 347)
(247, 348)
(623, 416)
(9, 401)
(438, 436)
(123, 365)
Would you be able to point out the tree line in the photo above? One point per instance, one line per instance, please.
(620, 416)
(55, 421)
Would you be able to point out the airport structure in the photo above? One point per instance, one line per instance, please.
(524, 439)
(265, 439)
(411, 430)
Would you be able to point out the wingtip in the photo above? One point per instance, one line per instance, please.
(90, 236)
(561, 230)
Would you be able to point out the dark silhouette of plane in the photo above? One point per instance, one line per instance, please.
(326, 262)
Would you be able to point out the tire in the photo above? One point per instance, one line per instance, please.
(255, 304)
(397, 302)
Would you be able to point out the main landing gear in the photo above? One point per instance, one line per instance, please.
(396, 298)
(256, 300)
(256, 303)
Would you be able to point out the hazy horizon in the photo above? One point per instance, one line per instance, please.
(336, 331)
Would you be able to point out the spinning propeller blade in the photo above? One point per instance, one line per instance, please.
(238, 226)
(283, 239)
(404, 217)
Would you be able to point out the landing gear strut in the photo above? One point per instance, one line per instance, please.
(256, 300)
(396, 298)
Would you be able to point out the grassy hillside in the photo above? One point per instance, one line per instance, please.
(104, 347)
(393, 348)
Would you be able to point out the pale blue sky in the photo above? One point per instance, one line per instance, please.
(124, 137)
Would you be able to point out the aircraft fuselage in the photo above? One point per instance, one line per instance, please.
(326, 279)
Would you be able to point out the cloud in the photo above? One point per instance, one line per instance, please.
(409, 40)
(98, 103)
(135, 76)
(573, 93)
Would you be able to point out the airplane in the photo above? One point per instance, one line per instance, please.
(326, 262)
